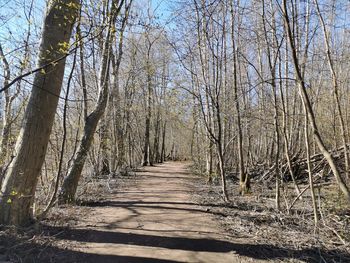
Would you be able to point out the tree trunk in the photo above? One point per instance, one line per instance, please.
(310, 112)
(18, 188)
(243, 177)
(104, 142)
(70, 183)
(118, 159)
(6, 126)
(220, 152)
(156, 154)
(309, 171)
(162, 153)
(82, 69)
(335, 81)
(146, 148)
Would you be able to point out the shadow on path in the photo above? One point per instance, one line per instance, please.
(19, 250)
(254, 251)
(161, 206)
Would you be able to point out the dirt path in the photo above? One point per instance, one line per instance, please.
(154, 217)
(154, 221)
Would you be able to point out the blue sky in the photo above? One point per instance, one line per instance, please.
(162, 8)
(14, 20)
(13, 14)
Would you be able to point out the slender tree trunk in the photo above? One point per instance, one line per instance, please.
(156, 154)
(118, 159)
(309, 171)
(162, 153)
(221, 154)
(146, 148)
(6, 126)
(104, 142)
(118, 155)
(244, 181)
(70, 183)
(310, 112)
(8, 118)
(82, 69)
(335, 88)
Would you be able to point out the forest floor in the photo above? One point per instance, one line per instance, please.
(167, 214)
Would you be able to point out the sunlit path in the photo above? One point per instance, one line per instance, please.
(154, 221)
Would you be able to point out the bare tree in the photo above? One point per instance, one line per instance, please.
(307, 104)
(70, 183)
